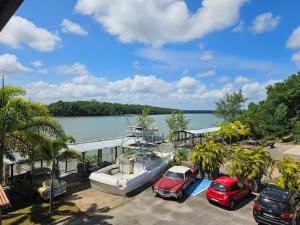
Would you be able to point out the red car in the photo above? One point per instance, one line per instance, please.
(174, 182)
(227, 191)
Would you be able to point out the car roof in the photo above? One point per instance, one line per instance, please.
(276, 194)
(226, 181)
(179, 169)
(41, 170)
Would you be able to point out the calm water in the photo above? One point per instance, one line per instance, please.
(96, 128)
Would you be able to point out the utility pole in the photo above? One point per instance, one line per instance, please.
(1, 135)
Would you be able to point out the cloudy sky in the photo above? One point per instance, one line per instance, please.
(173, 53)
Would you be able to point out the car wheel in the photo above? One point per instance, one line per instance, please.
(232, 204)
(179, 196)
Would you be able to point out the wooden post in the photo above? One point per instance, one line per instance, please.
(41, 163)
(83, 158)
(116, 153)
(99, 158)
(11, 171)
(66, 169)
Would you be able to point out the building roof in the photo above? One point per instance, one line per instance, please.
(203, 131)
(179, 169)
(96, 145)
(4, 202)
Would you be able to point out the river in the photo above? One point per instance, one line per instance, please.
(102, 127)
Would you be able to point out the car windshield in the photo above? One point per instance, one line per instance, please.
(173, 175)
(272, 204)
(42, 176)
(218, 187)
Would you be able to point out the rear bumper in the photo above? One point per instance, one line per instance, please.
(265, 220)
(220, 201)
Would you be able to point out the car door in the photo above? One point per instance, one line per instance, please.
(236, 191)
(244, 191)
(188, 178)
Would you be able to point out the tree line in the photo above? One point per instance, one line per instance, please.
(96, 108)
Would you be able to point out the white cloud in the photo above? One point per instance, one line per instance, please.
(208, 73)
(68, 26)
(37, 63)
(256, 91)
(240, 27)
(206, 56)
(296, 58)
(201, 45)
(241, 80)
(265, 22)
(9, 65)
(294, 39)
(189, 85)
(21, 31)
(157, 22)
(74, 69)
(42, 71)
(223, 79)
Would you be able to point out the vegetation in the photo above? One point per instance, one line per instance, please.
(209, 156)
(145, 120)
(230, 107)
(23, 126)
(95, 108)
(176, 122)
(181, 155)
(232, 130)
(279, 114)
(38, 214)
(250, 164)
(290, 174)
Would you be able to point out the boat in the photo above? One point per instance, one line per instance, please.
(130, 172)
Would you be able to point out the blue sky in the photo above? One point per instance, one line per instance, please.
(172, 53)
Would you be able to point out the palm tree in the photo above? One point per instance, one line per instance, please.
(250, 164)
(209, 156)
(22, 122)
(57, 149)
(290, 173)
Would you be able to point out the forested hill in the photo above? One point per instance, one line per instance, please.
(95, 108)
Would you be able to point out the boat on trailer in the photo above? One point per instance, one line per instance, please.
(130, 172)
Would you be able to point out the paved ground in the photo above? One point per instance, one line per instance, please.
(145, 209)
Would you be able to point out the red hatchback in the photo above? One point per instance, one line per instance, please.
(227, 191)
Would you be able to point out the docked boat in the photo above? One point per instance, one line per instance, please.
(130, 172)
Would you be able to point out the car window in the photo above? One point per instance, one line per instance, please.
(240, 185)
(272, 204)
(173, 175)
(188, 174)
(235, 187)
(218, 187)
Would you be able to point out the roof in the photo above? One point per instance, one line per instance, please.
(226, 181)
(203, 131)
(4, 202)
(7, 10)
(276, 194)
(101, 144)
(179, 169)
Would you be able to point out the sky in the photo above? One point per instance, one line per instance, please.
(169, 53)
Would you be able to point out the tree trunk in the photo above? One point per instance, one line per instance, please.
(51, 188)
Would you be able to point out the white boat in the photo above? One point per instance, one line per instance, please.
(130, 172)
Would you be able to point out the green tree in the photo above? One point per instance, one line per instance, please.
(230, 107)
(144, 119)
(20, 121)
(250, 164)
(176, 121)
(290, 174)
(209, 156)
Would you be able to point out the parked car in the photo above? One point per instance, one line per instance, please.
(249, 144)
(276, 206)
(174, 182)
(227, 191)
(37, 184)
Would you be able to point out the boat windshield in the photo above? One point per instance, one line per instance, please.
(173, 175)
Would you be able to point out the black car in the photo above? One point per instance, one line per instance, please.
(278, 207)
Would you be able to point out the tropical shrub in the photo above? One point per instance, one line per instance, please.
(290, 173)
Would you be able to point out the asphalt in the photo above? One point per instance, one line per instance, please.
(145, 209)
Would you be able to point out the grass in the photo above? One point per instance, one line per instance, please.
(38, 214)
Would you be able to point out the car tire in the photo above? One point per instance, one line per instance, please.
(231, 204)
(179, 196)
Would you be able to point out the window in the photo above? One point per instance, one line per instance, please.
(235, 187)
(188, 174)
(173, 175)
(218, 187)
(240, 184)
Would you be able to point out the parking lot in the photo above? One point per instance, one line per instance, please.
(144, 208)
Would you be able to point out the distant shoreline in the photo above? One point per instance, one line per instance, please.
(94, 108)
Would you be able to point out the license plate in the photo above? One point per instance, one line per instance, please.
(215, 200)
(268, 215)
